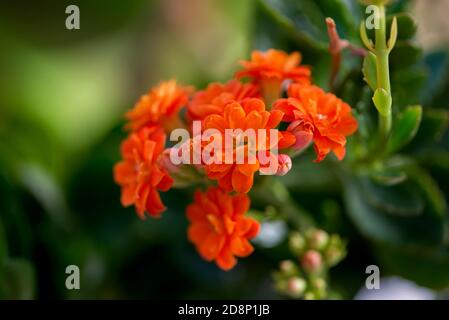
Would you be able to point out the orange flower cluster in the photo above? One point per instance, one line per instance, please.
(219, 227)
(321, 116)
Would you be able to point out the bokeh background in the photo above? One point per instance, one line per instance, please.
(63, 94)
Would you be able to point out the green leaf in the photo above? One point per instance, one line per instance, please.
(382, 101)
(365, 38)
(404, 55)
(391, 172)
(436, 93)
(426, 268)
(375, 221)
(3, 243)
(406, 25)
(430, 190)
(345, 15)
(389, 177)
(433, 124)
(407, 86)
(400, 199)
(369, 70)
(405, 128)
(393, 34)
(299, 19)
(17, 280)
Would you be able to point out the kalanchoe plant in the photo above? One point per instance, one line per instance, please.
(361, 177)
(368, 123)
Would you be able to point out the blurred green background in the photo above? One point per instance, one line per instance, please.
(63, 94)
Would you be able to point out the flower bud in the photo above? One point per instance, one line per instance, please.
(284, 164)
(335, 250)
(318, 239)
(303, 134)
(333, 256)
(287, 267)
(297, 243)
(312, 261)
(296, 286)
(166, 162)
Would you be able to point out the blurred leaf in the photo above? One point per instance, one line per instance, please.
(345, 14)
(435, 202)
(47, 192)
(424, 230)
(302, 19)
(436, 93)
(17, 280)
(399, 199)
(433, 124)
(389, 177)
(78, 95)
(405, 128)
(407, 85)
(3, 244)
(404, 54)
(426, 268)
(369, 70)
(391, 171)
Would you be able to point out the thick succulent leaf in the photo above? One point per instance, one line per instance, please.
(375, 220)
(388, 177)
(3, 243)
(399, 199)
(405, 128)
(426, 268)
(405, 54)
(433, 124)
(369, 70)
(382, 100)
(299, 19)
(407, 86)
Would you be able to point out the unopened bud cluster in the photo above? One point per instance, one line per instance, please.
(316, 252)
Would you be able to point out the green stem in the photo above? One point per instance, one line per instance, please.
(383, 74)
(273, 192)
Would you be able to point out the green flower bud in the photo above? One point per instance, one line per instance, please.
(297, 243)
(288, 267)
(296, 287)
(317, 239)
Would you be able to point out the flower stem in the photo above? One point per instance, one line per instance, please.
(383, 74)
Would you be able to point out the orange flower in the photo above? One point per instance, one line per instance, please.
(159, 106)
(322, 115)
(139, 173)
(269, 69)
(250, 114)
(216, 96)
(218, 228)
